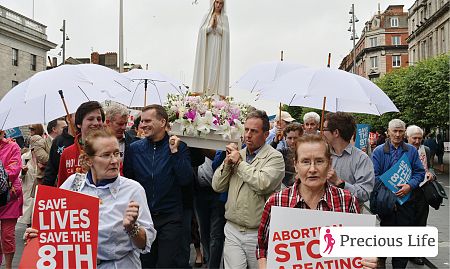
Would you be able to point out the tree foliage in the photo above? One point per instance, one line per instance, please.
(420, 92)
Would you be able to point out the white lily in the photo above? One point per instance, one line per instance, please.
(237, 131)
(224, 130)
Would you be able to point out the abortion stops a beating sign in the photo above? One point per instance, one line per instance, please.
(67, 222)
(294, 238)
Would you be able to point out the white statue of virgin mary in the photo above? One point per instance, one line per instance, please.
(212, 61)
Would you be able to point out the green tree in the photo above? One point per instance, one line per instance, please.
(420, 92)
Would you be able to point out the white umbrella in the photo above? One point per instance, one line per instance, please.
(264, 74)
(149, 87)
(37, 100)
(343, 91)
(88, 81)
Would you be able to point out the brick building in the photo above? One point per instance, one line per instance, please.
(382, 46)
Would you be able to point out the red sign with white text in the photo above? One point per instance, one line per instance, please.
(67, 224)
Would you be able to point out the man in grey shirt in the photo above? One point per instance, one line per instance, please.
(352, 169)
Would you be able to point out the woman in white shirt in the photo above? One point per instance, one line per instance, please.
(125, 224)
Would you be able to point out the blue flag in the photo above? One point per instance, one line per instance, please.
(399, 173)
(362, 135)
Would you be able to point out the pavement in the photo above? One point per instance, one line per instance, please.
(437, 218)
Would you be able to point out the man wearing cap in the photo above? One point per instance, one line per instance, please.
(276, 133)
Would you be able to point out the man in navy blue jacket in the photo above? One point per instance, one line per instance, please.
(161, 164)
(384, 157)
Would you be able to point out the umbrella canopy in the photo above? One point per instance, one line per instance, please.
(37, 99)
(343, 91)
(264, 74)
(149, 87)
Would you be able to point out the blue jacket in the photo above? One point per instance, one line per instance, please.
(160, 172)
(383, 160)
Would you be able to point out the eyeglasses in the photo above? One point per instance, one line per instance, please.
(31, 129)
(316, 163)
(326, 129)
(109, 156)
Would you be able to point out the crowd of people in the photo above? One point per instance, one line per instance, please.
(159, 196)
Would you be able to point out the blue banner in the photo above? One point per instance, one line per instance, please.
(13, 133)
(399, 173)
(362, 136)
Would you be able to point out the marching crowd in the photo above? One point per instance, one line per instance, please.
(159, 196)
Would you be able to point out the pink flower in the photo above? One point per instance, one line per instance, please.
(190, 114)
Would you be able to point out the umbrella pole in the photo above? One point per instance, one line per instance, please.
(324, 99)
(69, 118)
(279, 118)
(145, 92)
(323, 114)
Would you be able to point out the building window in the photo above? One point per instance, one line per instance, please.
(443, 48)
(373, 41)
(413, 58)
(396, 61)
(14, 83)
(423, 50)
(394, 22)
(395, 40)
(430, 47)
(33, 62)
(15, 57)
(413, 25)
(374, 62)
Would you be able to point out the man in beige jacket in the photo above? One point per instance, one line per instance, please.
(250, 176)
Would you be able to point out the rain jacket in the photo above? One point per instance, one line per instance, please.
(160, 172)
(12, 162)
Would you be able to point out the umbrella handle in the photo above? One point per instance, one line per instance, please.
(323, 114)
(69, 118)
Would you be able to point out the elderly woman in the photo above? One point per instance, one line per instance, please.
(415, 137)
(9, 213)
(310, 191)
(125, 225)
(212, 61)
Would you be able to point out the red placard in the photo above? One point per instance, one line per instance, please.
(67, 222)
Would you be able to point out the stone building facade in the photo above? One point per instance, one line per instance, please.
(429, 29)
(23, 48)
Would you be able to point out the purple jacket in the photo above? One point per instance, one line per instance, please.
(10, 157)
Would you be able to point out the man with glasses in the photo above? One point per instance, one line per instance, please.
(351, 168)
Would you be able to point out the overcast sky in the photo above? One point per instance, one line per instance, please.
(163, 33)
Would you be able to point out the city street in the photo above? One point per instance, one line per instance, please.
(437, 218)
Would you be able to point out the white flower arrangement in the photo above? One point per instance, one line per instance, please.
(204, 115)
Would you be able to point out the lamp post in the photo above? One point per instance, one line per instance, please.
(353, 37)
(121, 37)
(65, 37)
